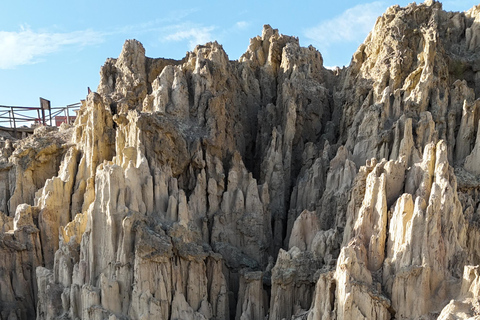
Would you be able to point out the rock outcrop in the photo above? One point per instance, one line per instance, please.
(268, 187)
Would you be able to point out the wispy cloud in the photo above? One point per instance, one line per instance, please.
(192, 33)
(27, 46)
(240, 25)
(170, 20)
(352, 25)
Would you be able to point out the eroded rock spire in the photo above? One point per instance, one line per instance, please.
(265, 187)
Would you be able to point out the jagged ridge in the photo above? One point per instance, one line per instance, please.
(215, 189)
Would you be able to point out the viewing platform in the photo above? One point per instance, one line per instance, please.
(18, 120)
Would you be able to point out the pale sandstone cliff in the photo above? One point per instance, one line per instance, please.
(267, 187)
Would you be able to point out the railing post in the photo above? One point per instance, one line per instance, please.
(68, 116)
(13, 117)
(45, 104)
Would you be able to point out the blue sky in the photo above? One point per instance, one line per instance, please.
(55, 49)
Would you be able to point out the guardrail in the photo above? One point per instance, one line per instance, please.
(16, 117)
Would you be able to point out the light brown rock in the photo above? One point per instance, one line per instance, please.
(183, 183)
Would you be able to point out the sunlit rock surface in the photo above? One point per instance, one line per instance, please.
(268, 187)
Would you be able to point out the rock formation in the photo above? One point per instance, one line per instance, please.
(263, 188)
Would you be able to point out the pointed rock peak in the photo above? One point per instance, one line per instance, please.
(213, 45)
(212, 51)
(474, 11)
(268, 32)
(94, 97)
(132, 45)
(433, 3)
(209, 49)
(267, 49)
(133, 52)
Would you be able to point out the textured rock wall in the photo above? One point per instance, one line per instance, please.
(264, 187)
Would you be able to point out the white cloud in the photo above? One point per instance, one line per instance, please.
(352, 25)
(160, 24)
(194, 35)
(242, 25)
(27, 46)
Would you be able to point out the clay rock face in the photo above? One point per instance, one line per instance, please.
(26, 166)
(34, 161)
(268, 187)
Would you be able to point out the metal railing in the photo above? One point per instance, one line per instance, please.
(24, 118)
